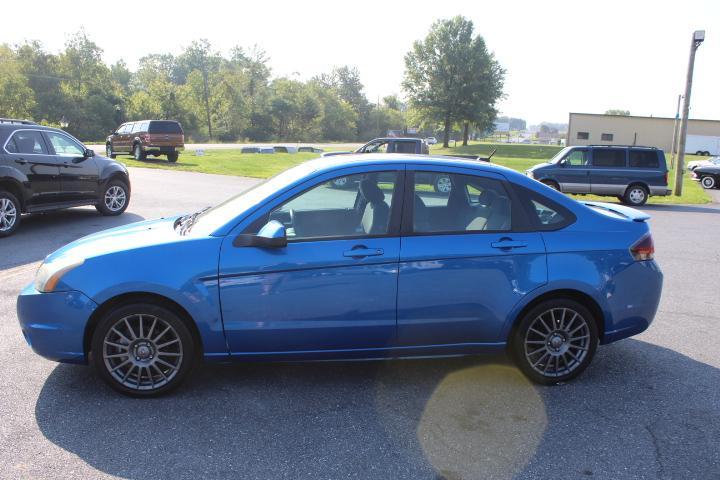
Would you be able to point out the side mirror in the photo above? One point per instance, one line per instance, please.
(563, 162)
(272, 235)
(88, 153)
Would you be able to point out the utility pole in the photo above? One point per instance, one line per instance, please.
(673, 151)
(698, 38)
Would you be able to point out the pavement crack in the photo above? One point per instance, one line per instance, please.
(656, 447)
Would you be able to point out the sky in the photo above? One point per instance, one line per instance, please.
(560, 57)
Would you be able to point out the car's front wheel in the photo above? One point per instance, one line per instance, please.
(109, 151)
(114, 199)
(9, 213)
(636, 195)
(708, 181)
(138, 153)
(142, 350)
(555, 341)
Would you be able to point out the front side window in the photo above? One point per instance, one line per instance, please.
(472, 204)
(610, 158)
(577, 158)
(361, 207)
(65, 146)
(28, 142)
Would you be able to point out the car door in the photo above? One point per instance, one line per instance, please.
(333, 287)
(30, 153)
(79, 175)
(609, 174)
(466, 259)
(574, 172)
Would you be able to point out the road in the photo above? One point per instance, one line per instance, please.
(648, 407)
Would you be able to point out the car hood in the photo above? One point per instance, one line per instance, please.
(127, 237)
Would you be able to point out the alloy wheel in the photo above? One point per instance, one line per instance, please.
(557, 342)
(443, 184)
(115, 198)
(8, 214)
(142, 352)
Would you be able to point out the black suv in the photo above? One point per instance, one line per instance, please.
(44, 169)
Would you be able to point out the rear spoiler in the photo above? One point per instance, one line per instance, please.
(627, 212)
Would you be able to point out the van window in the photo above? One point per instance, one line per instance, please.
(164, 127)
(577, 158)
(644, 159)
(612, 158)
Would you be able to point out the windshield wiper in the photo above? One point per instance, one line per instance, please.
(187, 221)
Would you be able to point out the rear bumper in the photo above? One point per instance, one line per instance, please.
(660, 191)
(54, 323)
(162, 149)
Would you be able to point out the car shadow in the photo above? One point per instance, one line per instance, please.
(40, 234)
(639, 411)
(682, 208)
(165, 163)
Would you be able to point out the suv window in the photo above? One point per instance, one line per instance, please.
(127, 128)
(65, 146)
(644, 159)
(136, 127)
(27, 141)
(360, 209)
(577, 158)
(473, 204)
(164, 127)
(613, 158)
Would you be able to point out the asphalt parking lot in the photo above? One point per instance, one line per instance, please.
(648, 407)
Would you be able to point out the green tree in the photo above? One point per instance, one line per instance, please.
(450, 77)
(17, 99)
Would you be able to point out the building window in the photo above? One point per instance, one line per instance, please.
(583, 136)
(606, 137)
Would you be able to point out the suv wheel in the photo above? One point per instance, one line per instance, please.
(142, 350)
(708, 182)
(109, 151)
(636, 195)
(9, 213)
(114, 199)
(173, 157)
(138, 153)
(555, 341)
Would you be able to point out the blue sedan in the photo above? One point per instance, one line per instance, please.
(295, 269)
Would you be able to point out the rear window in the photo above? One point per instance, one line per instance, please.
(608, 158)
(165, 127)
(644, 159)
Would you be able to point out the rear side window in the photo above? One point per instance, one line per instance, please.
(608, 158)
(27, 141)
(545, 214)
(644, 159)
(165, 127)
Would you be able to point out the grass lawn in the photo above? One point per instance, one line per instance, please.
(519, 157)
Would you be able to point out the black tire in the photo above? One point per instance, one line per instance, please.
(138, 153)
(10, 213)
(173, 157)
(442, 184)
(636, 195)
(708, 181)
(528, 348)
(551, 184)
(109, 207)
(699, 153)
(152, 366)
(109, 151)
(706, 153)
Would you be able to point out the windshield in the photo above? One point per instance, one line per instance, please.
(218, 216)
(559, 156)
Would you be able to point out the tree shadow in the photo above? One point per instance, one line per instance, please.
(639, 411)
(40, 234)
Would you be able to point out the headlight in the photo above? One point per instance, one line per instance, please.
(49, 274)
(529, 173)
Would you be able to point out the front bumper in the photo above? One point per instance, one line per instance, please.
(54, 323)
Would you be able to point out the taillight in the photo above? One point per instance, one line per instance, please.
(644, 249)
(666, 178)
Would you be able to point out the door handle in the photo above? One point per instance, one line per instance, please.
(361, 251)
(21, 161)
(508, 243)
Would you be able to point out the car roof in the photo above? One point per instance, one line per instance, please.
(11, 127)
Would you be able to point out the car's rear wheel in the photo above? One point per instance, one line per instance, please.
(708, 181)
(114, 200)
(138, 153)
(9, 213)
(555, 341)
(109, 151)
(172, 157)
(636, 195)
(142, 350)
